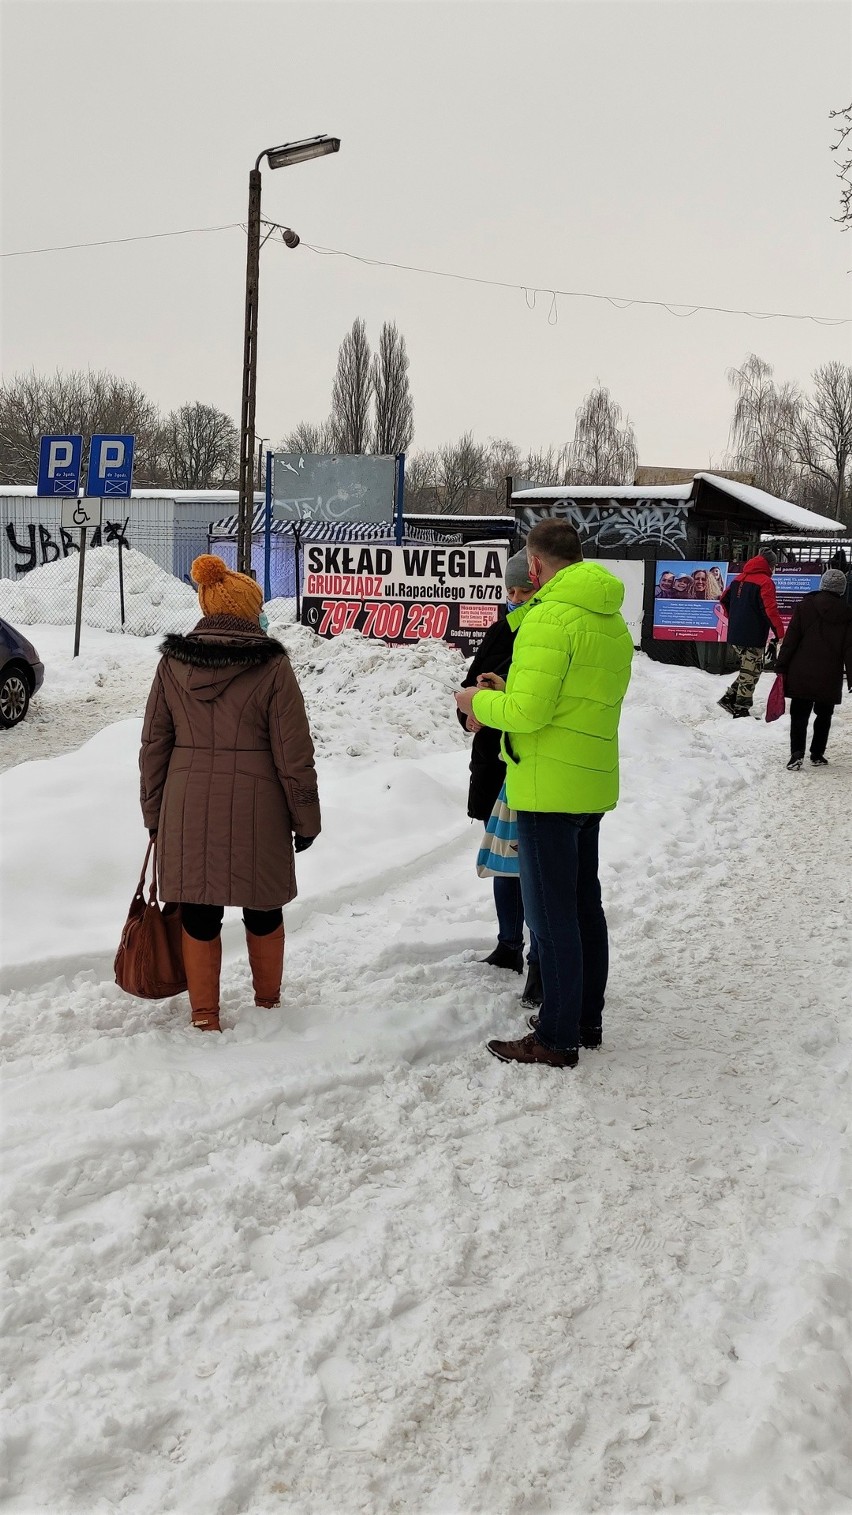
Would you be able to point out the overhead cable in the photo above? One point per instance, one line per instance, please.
(678, 308)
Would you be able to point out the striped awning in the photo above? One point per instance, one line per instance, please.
(329, 531)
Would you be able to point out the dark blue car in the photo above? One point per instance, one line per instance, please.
(21, 674)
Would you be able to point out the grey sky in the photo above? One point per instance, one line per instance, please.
(674, 151)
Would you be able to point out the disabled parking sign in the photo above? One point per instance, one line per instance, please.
(110, 467)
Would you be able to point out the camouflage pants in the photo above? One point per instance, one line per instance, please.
(740, 695)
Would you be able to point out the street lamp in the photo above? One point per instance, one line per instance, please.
(277, 157)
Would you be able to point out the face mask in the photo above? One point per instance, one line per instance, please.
(263, 621)
(534, 579)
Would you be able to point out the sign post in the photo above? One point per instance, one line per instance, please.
(80, 515)
(109, 476)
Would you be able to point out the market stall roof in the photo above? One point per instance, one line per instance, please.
(783, 511)
(604, 492)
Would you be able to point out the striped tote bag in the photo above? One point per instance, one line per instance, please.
(498, 855)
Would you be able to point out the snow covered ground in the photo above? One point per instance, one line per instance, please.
(340, 1260)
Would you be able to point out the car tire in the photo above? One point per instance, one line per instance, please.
(14, 696)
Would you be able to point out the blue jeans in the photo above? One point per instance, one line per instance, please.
(562, 897)
(509, 904)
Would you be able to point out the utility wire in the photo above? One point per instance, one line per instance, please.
(153, 236)
(680, 309)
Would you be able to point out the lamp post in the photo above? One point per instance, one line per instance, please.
(277, 157)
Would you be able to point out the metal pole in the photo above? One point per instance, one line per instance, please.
(297, 539)
(247, 411)
(400, 496)
(79, 618)
(121, 581)
(267, 532)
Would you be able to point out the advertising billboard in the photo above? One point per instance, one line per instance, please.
(404, 594)
(686, 597)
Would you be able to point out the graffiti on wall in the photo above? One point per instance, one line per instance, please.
(617, 524)
(40, 546)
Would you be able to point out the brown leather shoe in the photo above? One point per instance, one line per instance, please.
(202, 962)
(530, 1050)
(266, 958)
(591, 1043)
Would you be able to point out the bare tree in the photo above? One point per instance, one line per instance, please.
(72, 403)
(822, 433)
(200, 448)
(603, 450)
(393, 422)
(502, 459)
(550, 465)
(843, 148)
(421, 482)
(353, 391)
(461, 476)
(310, 436)
(763, 427)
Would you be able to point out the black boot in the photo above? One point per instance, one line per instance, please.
(532, 996)
(506, 957)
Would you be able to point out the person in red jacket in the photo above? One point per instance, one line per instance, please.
(752, 610)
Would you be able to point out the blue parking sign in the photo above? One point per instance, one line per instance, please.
(110, 467)
(59, 461)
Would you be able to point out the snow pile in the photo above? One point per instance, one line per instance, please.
(301, 1267)
(155, 601)
(365, 698)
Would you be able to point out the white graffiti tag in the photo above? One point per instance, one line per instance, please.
(614, 524)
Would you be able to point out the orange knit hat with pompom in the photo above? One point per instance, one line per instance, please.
(221, 592)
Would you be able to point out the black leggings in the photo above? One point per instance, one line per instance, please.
(800, 714)
(204, 922)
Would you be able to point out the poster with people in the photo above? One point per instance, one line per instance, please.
(686, 596)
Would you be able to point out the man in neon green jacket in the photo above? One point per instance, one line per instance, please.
(559, 711)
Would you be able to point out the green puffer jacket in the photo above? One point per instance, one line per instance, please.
(561, 707)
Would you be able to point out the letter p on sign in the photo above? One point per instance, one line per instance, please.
(112, 457)
(60, 456)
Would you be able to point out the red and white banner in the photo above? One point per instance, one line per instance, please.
(404, 594)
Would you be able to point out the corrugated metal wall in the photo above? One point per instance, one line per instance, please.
(171, 531)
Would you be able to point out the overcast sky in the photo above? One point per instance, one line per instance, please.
(672, 151)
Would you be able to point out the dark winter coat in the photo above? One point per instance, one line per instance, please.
(227, 767)
(817, 649)
(752, 606)
(487, 769)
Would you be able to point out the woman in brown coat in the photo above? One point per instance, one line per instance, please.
(228, 778)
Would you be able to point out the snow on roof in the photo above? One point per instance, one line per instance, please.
(604, 492)
(181, 496)
(769, 505)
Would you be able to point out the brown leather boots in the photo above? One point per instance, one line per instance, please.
(266, 958)
(202, 962)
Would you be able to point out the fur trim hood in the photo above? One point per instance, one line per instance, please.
(222, 641)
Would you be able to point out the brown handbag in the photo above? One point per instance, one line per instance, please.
(149, 960)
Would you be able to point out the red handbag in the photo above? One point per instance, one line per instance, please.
(775, 705)
(149, 960)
